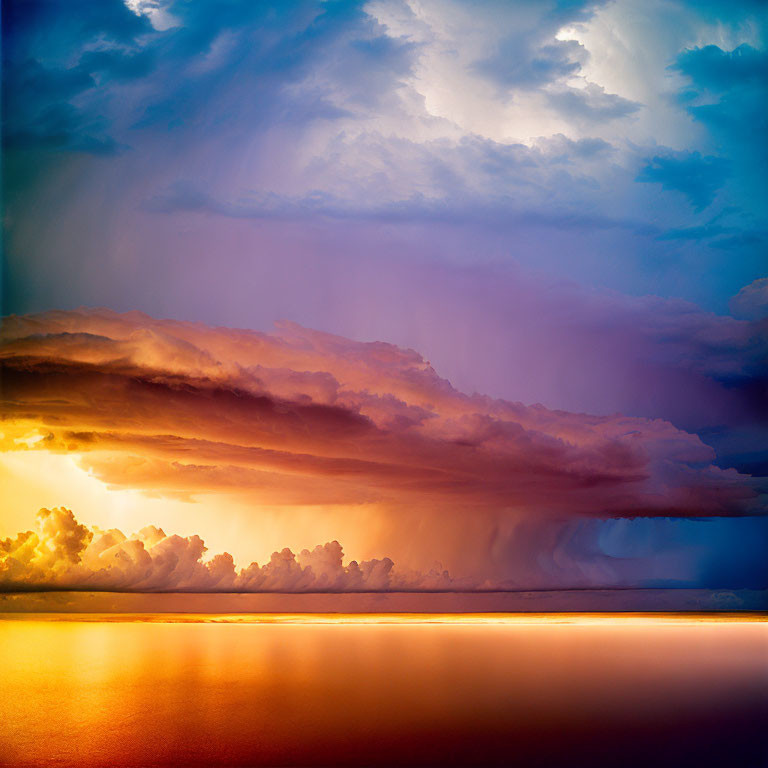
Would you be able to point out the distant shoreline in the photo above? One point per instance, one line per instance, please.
(555, 601)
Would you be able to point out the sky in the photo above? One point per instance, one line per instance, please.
(502, 267)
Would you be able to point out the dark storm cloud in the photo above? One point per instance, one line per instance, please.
(65, 64)
(698, 178)
(728, 93)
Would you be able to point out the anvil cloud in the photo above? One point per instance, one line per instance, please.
(304, 417)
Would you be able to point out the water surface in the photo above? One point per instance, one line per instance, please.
(144, 690)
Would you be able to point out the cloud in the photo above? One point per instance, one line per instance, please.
(720, 71)
(374, 169)
(698, 178)
(727, 93)
(591, 103)
(63, 554)
(51, 102)
(305, 417)
(514, 65)
(397, 181)
(77, 78)
(751, 302)
(326, 113)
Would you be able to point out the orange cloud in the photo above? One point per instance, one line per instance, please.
(304, 417)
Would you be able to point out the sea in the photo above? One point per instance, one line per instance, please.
(384, 689)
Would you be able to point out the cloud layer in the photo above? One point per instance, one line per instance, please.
(304, 417)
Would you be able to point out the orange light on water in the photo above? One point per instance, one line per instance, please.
(376, 689)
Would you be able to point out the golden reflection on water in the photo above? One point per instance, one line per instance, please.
(625, 619)
(282, 689)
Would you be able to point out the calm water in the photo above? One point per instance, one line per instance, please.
(541, 691)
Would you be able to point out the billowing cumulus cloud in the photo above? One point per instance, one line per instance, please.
(61, 554)
(304, 417)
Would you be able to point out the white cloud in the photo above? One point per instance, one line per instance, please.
(158, 16)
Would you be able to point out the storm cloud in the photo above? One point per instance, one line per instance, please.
(308, 417)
